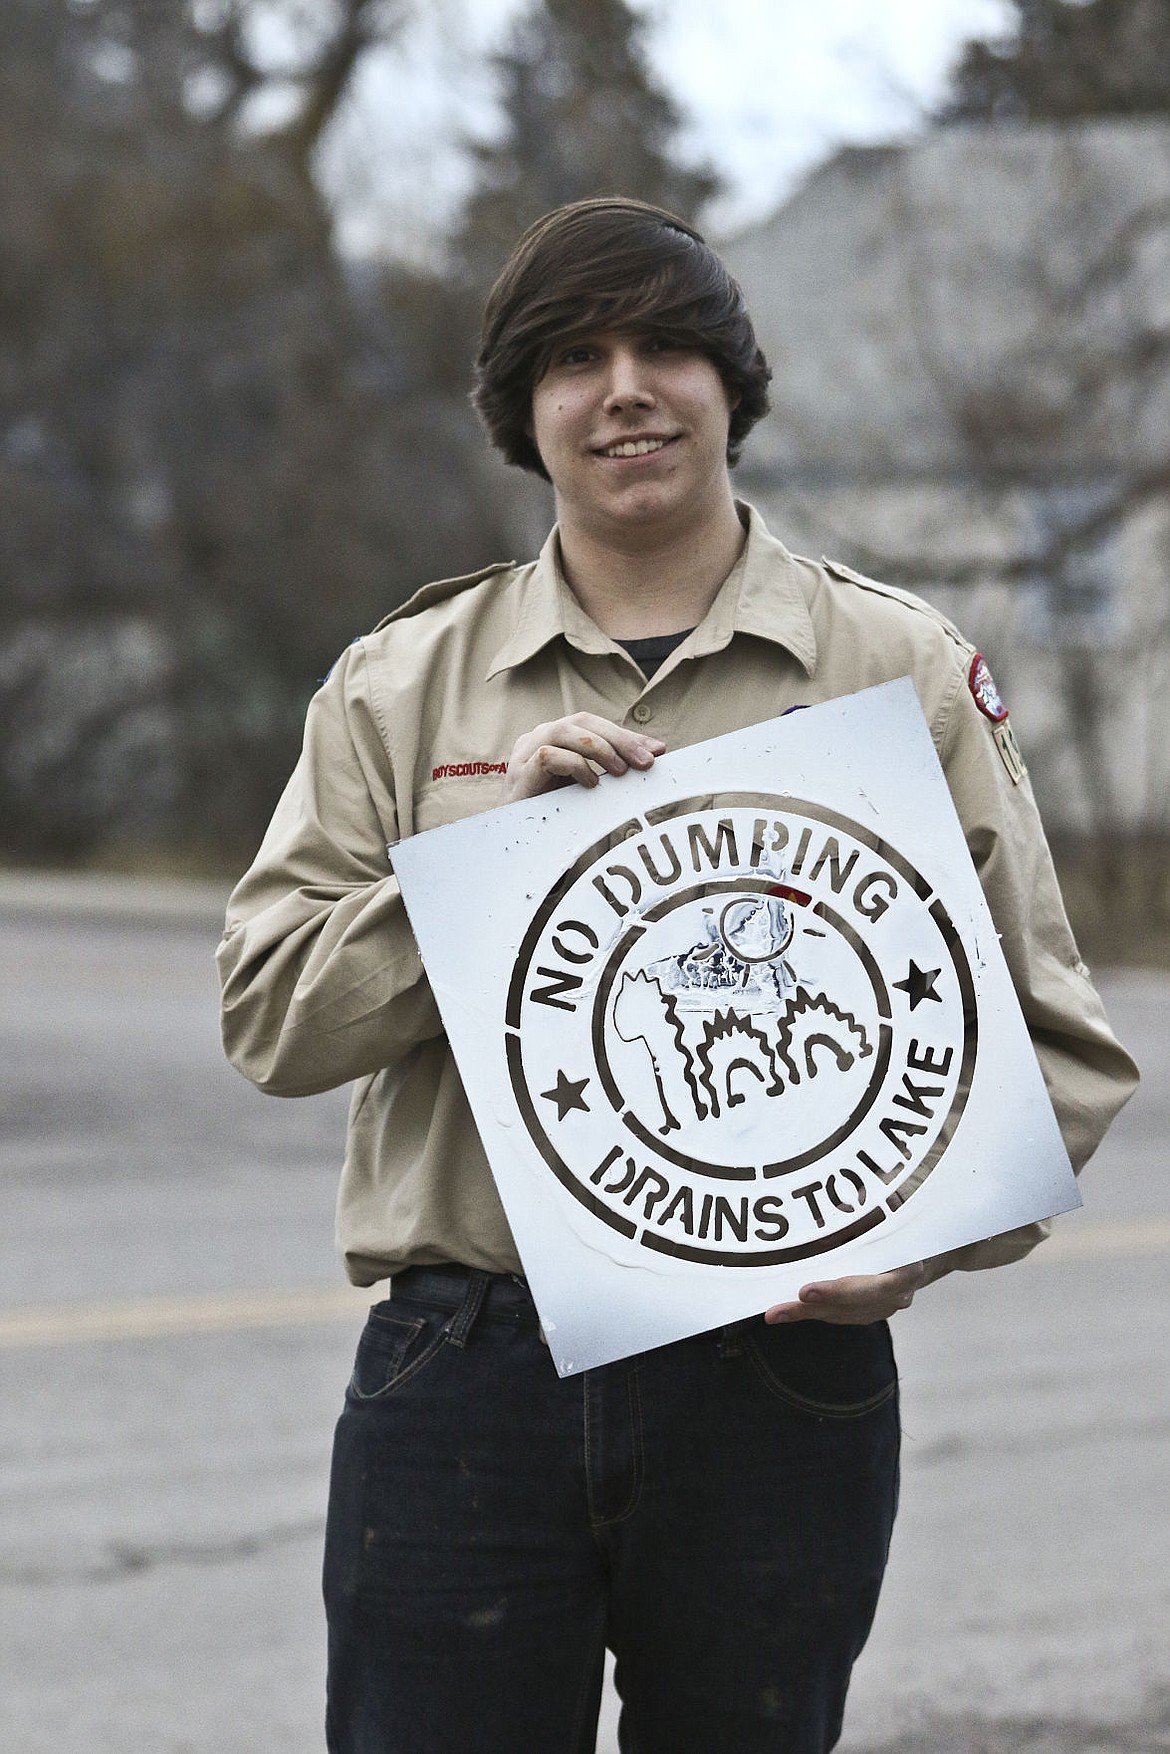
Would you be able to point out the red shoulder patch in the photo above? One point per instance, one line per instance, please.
(986, 695)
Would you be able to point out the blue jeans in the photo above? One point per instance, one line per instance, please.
(717, 1511)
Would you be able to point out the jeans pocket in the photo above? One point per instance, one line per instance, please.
(830, 1370)
(393, 1348)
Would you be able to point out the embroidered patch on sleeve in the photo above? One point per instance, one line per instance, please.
(986, 695)
(1009, 749)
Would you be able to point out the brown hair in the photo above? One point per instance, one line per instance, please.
(610, 263)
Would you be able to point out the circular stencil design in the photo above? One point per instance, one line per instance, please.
(741, 1029)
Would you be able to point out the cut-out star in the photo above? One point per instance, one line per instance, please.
(567, 1093)
(919, 984)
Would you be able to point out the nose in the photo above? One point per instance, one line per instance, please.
(629, 385)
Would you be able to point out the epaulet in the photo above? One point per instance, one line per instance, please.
(980, 681)
(840, 571)
(440, 591)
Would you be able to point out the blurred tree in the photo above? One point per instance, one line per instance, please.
(1068, 58)
(583, 117)
(222, 451)
(214, 470)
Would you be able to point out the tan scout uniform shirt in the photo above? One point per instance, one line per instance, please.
(322, 982)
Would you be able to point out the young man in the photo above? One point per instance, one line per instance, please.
(717, 1511)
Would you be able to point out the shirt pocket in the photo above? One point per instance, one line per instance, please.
(455, 797)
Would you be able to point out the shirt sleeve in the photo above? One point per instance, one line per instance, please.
(1088, 1073)
(321, 978)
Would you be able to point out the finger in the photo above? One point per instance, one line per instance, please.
(825, 1304)
(557, 766)
(545, 769)
(613, 750)
(862, 1297)
(865, 1287)
(567, 729)
(597, 748)
(535, 766)
(636, 748)
(860, 1288)
(839, 1312)
(790, 1312)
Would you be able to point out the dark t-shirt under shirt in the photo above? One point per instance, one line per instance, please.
(650, 654)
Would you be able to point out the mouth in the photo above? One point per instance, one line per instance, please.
(634, 447)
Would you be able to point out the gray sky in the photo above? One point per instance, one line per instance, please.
(769, 87)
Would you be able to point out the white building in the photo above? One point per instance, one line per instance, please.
(970, 340)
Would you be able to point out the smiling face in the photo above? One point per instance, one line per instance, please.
(633, 432)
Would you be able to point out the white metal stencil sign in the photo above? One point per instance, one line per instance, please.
(772, 1010)
(721, 1041)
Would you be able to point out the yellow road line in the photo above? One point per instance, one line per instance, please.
(195, 1313)
(222, 1312)
(1081, 1242)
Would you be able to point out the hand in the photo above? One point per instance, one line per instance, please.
(561, 753)
(866, 1297)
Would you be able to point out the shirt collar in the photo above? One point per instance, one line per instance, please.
(761, 595)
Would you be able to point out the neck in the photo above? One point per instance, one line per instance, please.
(645, 582)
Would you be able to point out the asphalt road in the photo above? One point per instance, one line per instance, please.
(175, 1335)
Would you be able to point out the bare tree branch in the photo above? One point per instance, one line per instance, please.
(1115, 261)
(325, 83)
(1080, 535)
(237, 65)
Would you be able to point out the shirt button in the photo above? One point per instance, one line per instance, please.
(643, 713)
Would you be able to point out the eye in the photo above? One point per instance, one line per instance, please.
(579, 353)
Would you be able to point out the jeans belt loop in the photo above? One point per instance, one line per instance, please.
(461, 1323)
(729, 1344)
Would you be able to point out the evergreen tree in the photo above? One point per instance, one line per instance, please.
(1066, 59)
(584, 117)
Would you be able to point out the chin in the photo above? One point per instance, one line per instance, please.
(652, 499)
